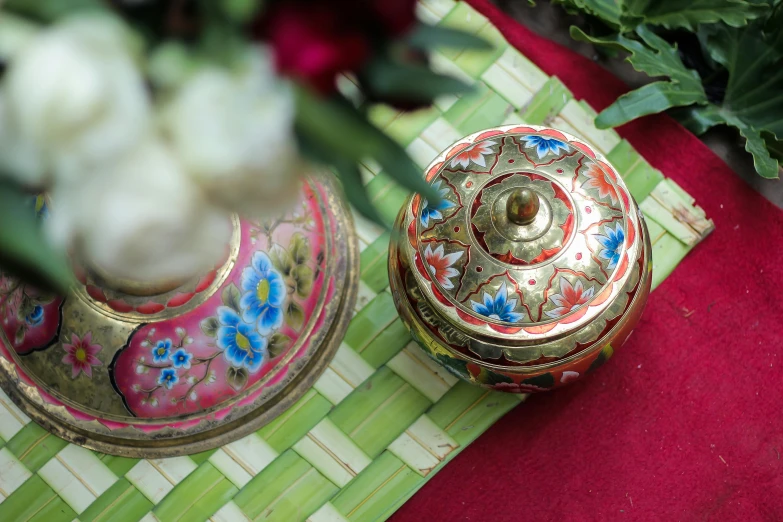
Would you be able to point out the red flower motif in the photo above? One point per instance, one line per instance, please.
(597, 180)
(81, 355)
(570, 298)
(440, 265)
(314, 41)
(474, 153)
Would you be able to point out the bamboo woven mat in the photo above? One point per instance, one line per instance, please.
(384, 418)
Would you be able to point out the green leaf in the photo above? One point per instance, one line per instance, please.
(765, 164)
(753, 103)
(689, 14)
(655, 57)
(337, 126)
(349, 175)
(650, 99)
(210, 326)
(278, 344)
(294, 315)
(356, 191)
(299, 248)
(303, 277)
(387, 79)
(50, 10)
(236, 377)
(24, 250)
(775, 147)
(754, 59)
(699, 119)
(240, 11)
(428, 37)
(231, 297)
(281, 259)
(607, 10)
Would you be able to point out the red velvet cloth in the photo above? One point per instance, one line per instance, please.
(685, 422)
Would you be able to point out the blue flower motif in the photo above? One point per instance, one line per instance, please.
(264, 294)
(35, 317)
(181, 359)
(434, 211)
(499, 307)
(612, 243)
(241, 342)
(544, 145)
(168, 377)
(161, 350)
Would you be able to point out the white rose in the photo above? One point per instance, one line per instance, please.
(75, 95)
(19, 159)
(140, 218)
(233, 131)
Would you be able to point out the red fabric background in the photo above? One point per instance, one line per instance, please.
(686, 421)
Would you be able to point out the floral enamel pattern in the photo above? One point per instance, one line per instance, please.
(499, 306)
(597, 180)
(553, 270)
(31, 319)
(578, 201)
(612, 242)
(474, 154)
(242, 344)
(80, 355)
(441, 265)
(165, 370)
(545, 145)
(264, 294)
(569, 298)
(246, 333)
(243, 332)
(434, 211)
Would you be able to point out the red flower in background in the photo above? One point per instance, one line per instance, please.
(314, 41)
(396, 16)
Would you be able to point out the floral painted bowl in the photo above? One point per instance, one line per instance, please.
(195, 365)
(533, 267)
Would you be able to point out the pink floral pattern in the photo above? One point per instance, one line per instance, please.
(208, 356)
(440, 265)
(80, 354)
(570, 298)
(474, 154)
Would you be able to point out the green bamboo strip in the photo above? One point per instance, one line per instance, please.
(35, 501)
(197, 497)
(34, 446)
(122, 502)
(294, 424)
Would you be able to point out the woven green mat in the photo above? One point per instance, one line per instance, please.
(384, 418)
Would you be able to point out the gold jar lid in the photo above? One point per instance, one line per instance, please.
(535, 238)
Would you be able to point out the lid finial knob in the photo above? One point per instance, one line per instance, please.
(522, 206)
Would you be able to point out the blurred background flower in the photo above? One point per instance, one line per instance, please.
(149, 122)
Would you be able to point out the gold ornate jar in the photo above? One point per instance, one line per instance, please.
(533, 267)
(167, 369)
